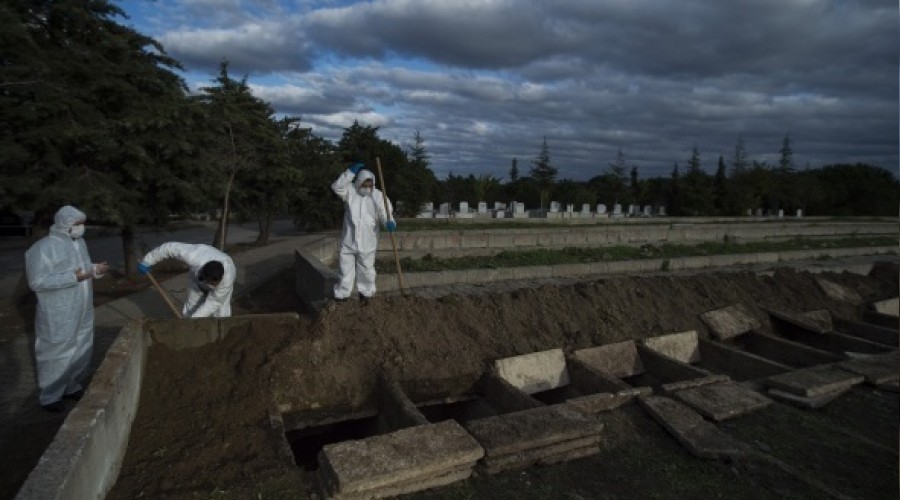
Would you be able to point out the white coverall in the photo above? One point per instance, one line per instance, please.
(199, 303)
(359, 237)
(64, 321)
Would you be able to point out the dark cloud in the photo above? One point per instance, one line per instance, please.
(484, 81)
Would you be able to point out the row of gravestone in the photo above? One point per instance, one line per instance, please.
(517, 210)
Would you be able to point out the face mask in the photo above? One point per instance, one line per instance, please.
(77, 231)
(364, 191)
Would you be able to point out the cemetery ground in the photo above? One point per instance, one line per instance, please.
(200, 420)
(215, 446)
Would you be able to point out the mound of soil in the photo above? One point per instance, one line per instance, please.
(205, 420)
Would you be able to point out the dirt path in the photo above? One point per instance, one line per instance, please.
(203, 428)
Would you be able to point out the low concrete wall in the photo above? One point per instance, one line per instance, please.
(84, 458)
(314, 282)
(472, 242)
(388, 282)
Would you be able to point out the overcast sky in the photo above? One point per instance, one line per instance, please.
(484, 81)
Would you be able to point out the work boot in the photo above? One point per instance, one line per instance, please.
(364, 300)
(75, 396)
(55, 407)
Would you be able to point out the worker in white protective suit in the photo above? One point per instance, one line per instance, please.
(210, 280)
(60, 272)
(364, 210)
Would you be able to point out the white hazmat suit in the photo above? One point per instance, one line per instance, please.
(64, 321)
(200, 302)
(363, 212)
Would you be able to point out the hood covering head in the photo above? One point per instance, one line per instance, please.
(66, 217)
(361, 177)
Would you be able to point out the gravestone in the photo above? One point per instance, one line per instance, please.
(648, 211)
(519, 210)
(443, 211)
(617, 211)
(586, 210)
(601, 209)
(759, 212)
(799, 213)
(749, 212)
(426, 211)
(662, 210)
(464, 212)
(482, 207)
(554, 206)
(780, 213)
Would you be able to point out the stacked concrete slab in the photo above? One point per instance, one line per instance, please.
(408, 460)
(544, 435)
(812, 387)
(536, 434)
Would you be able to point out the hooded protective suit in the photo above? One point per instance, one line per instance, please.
(64, 321)
(200, 303)
(359, 237)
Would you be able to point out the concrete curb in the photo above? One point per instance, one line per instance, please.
(388, 282)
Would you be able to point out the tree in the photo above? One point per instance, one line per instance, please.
(514, 171)
(674, 199)
(720, 187)
(93, 115)
(636, 193)
(416, 183)
(696, 188)
(739, 162)
(542, 172)
(786, 162)
(242, 133)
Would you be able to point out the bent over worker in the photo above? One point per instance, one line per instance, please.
(364, 210)
(210, 279)
(60, 272)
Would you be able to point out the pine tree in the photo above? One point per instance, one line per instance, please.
(786, 162)
(542, 172)
(514, 171)
(740, 162)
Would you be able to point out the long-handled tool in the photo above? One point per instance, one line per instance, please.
(387, 208)
(165, 296)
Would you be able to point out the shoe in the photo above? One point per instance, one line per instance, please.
(75, 396)
(364, 300)
(339, 301)
(54, 407)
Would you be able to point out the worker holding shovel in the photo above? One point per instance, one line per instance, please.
(210, 281)
(365, 208)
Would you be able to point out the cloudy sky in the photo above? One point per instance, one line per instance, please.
(485, 81)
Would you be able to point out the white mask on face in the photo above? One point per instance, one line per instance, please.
(77, 231)
(364, 191)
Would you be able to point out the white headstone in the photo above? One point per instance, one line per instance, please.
(570, 208)
(499, 206)
(427, 207)
(520, 208)
(780, 213)
(799, 212)
(444, 208)
(648, 211)
(633, 209)
(662, 210)
(601, 209)
(482, 207)
(759, 212)
(554, 206)
(585, 209)
(617, 209)
(464, 207)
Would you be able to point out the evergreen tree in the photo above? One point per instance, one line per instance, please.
(740, 161)
(543, 173)
(514, 171)
(786, 162)
(720, 187)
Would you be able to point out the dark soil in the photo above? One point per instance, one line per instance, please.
(204, 423)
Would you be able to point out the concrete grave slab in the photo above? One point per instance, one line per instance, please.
(529, 429)
(692, 383)
(738, 364)
(701, 438)
(810, 403)
(814, 381)
(839, 292)
(722, 400)
(794, 327)
(821, 319)
(409, 456)
(534, 372)
(681, 346)
(403, 488)
(594, 404)
(730, 321)
(890, 307)
(878, 369)
(868, 331)
(620, 359)
(548, 454)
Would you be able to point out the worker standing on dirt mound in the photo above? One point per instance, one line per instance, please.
(211, 277)
(61, 274)
(364, 210)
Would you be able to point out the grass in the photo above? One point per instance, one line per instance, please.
(575, 255)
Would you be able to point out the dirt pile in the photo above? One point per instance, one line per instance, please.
(203, 423)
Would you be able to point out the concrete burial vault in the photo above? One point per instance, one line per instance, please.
(535, 408)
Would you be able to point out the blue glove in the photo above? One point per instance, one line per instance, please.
(391, 226)
(356, 167)
(143, 268)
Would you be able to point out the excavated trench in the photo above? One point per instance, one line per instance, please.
(410, 393)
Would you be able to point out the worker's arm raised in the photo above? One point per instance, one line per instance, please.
(341, 186)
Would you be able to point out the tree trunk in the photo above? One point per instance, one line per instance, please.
(222, 230)
(128, 250)
(265, 228)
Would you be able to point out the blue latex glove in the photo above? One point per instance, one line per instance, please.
(391, 226)
(356, 167)
(143, 268)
